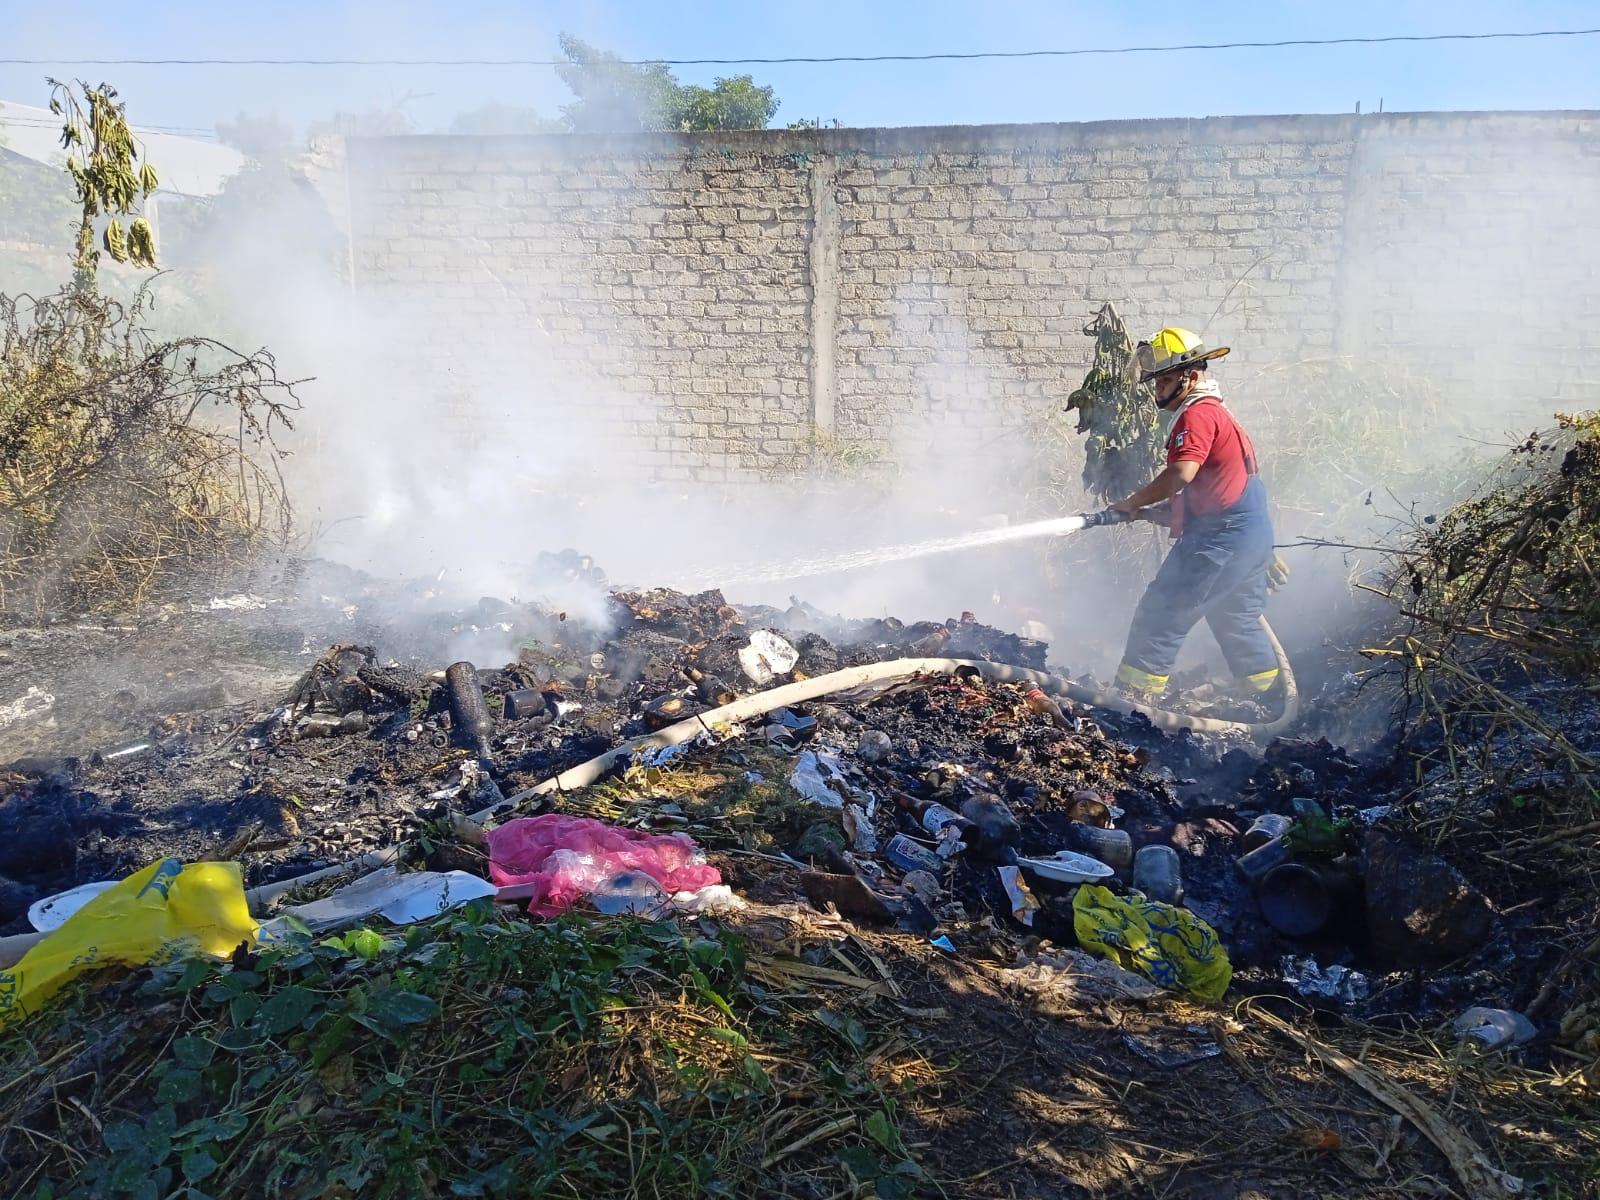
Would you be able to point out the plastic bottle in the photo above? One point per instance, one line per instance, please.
(1264, 828)
(630, 892)
(1264, 858)
(1040, 703)
(329, 725)
(931, 646)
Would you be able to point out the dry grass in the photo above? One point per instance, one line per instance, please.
(129, 466)
(1341, 440)
(1517, 567)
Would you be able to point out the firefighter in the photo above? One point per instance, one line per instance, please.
(1211, 497)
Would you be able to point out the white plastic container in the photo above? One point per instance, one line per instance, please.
(1066, 866)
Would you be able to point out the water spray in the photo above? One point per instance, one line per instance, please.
(804, 568)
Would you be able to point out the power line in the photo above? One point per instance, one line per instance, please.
(185, 130)
(751, 62)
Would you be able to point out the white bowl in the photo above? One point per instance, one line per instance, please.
(52, 912)
(1067, 866)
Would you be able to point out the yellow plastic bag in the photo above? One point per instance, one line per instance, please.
(163, 910)
(1169, 946)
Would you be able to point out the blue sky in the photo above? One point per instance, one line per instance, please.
(1554, 73)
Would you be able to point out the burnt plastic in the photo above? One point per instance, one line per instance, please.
(523, 703)
(993, 820)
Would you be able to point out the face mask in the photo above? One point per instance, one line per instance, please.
(1169, 417)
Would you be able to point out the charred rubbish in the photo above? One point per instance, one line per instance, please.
(939, 782)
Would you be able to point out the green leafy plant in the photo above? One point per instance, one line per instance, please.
(472, 1056)
(110, 175)
(1116, 414)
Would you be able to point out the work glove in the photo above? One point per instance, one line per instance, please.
(1277, 574)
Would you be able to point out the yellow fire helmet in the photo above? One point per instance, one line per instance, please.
(1171, 350)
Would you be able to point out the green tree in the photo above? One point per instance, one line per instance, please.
(735, 103)
(615, 96)
(108, 176)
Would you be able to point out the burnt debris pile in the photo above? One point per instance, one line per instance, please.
(946, 805)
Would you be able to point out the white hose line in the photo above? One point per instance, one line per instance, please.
(261, 899)
(1163, 719)
(747, 707)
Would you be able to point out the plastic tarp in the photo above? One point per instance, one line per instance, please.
(567, 858)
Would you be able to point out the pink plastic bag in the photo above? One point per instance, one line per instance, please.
(570, 857)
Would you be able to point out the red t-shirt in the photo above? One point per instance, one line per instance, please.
(1206, 433)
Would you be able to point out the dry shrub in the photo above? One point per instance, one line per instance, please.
(129, 466)
(1497, 650)
(1517, 566)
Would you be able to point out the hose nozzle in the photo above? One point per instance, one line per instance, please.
(1106, 516)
